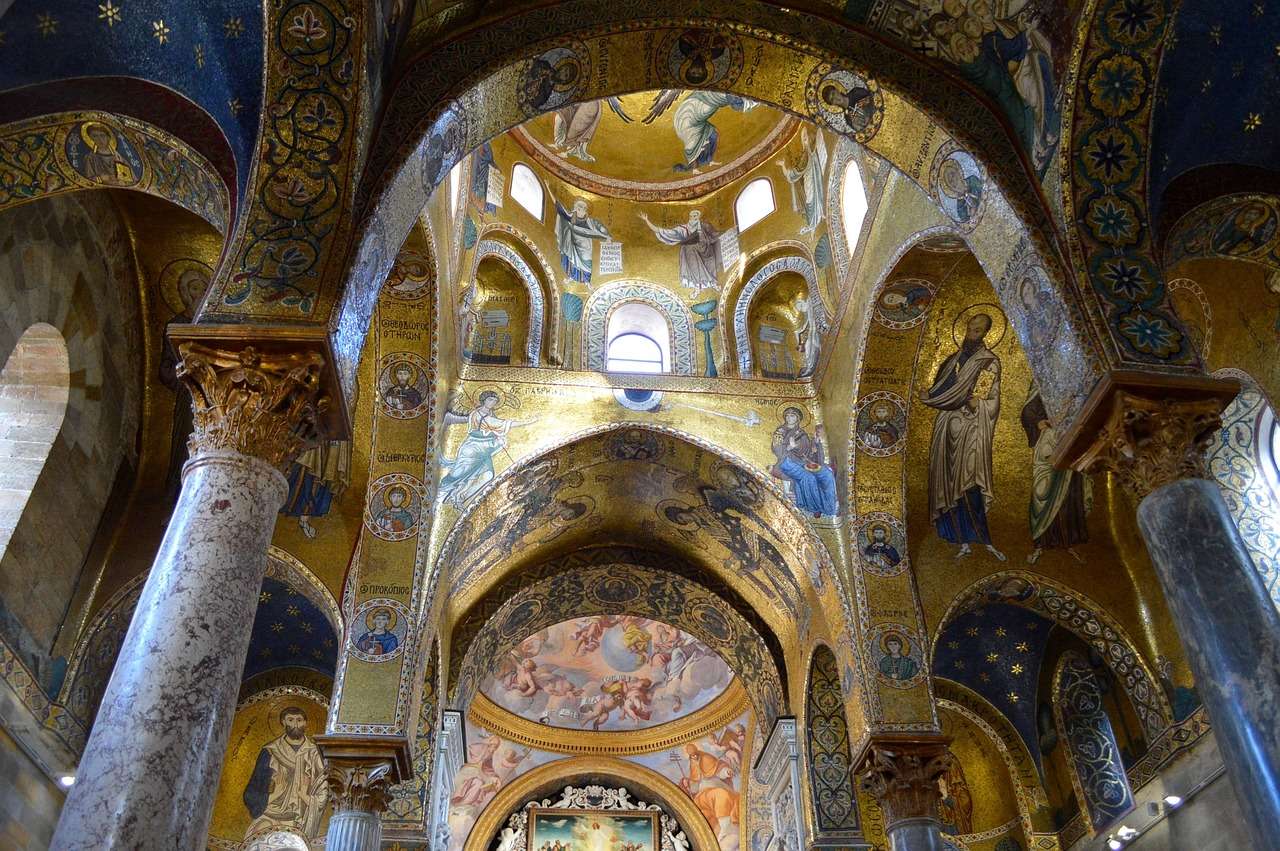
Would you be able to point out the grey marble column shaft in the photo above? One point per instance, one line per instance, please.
(916, 834)
(1231, 632)
(151, 767)
(354, 830)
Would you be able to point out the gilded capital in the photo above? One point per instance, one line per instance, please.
(903, 777)
(360, 785)
(265, 405)
(1148, 442)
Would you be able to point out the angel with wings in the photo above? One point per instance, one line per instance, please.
(575, 126)
(472, 467)
(692, 122)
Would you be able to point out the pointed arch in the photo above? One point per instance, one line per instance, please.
(791, 263)
(489, 247)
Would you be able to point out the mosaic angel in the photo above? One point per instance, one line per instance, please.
(811, 175)
(692, 122)
(471, 468)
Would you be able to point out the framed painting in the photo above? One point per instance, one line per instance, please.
(592, 830)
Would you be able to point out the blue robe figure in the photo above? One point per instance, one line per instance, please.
(802, 462)
(482, 159)
(316, 479)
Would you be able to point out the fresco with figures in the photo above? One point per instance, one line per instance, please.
(607, 672)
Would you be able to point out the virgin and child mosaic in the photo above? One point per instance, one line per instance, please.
(607, 672)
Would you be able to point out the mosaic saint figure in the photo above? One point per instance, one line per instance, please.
(575, 231)
(1060, 499)
(394, 516)
(103, 163)
(575, 126)
(955, 809)
(881, 551)
(472, 467)
(692, 122)
(287, 791)
(402, 395)
(965, 191)
(801, 461)
(857, 104)
(811, 175)
(960, 478)
(316, 478)
(893, 664)
(379, 640)
(880, 432)
(699, 243)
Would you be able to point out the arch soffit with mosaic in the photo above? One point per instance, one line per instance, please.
(600, 590)
(604, 301)
(802, 530)
(779, 265)
(1088, 621)
(547, 780)
(431, 124)
(543, 271)
(1024, 775)
(35, 163)
(488, 247)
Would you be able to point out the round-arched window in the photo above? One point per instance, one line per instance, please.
(526, 190)
(639, 340)
(754, 203)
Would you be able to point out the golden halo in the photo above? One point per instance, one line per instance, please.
(902, 639)
(391, 624)
(278, 705)
(888, 533)
(999, 323)
(84, 134)
(386, 496)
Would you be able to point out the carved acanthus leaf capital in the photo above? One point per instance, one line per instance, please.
(903, 777)
(1147, 443)
(359, 785)
(265, 405)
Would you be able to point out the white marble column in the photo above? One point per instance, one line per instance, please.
(151, 766)
(360, 787)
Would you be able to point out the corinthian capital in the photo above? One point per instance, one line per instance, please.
(359, 785)
(1147, 443)
(903, 777)
(264, 405)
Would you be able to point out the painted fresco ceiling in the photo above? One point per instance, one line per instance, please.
(687, 141)
(607, 672)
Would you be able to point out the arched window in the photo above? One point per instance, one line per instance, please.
(455, 174)
(755, 201)
(639, 340)
(33, 392)
(853, 204)
(526, 189)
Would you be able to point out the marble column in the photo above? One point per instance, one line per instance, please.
(151, 766)
(359, 788)
(1227, 621)
(903, 777)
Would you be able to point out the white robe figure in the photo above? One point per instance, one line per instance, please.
(811, 176)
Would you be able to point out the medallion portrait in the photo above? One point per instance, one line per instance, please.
(380, 629)
(897, 654)
(845, 102)
(881, 423)
(394, 506)
(882, 543)
(903, 304)
(958, 184)
(403, 388)
(102, 155)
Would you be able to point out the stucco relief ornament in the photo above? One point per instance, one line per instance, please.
(267, 406)
(1149, 443)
